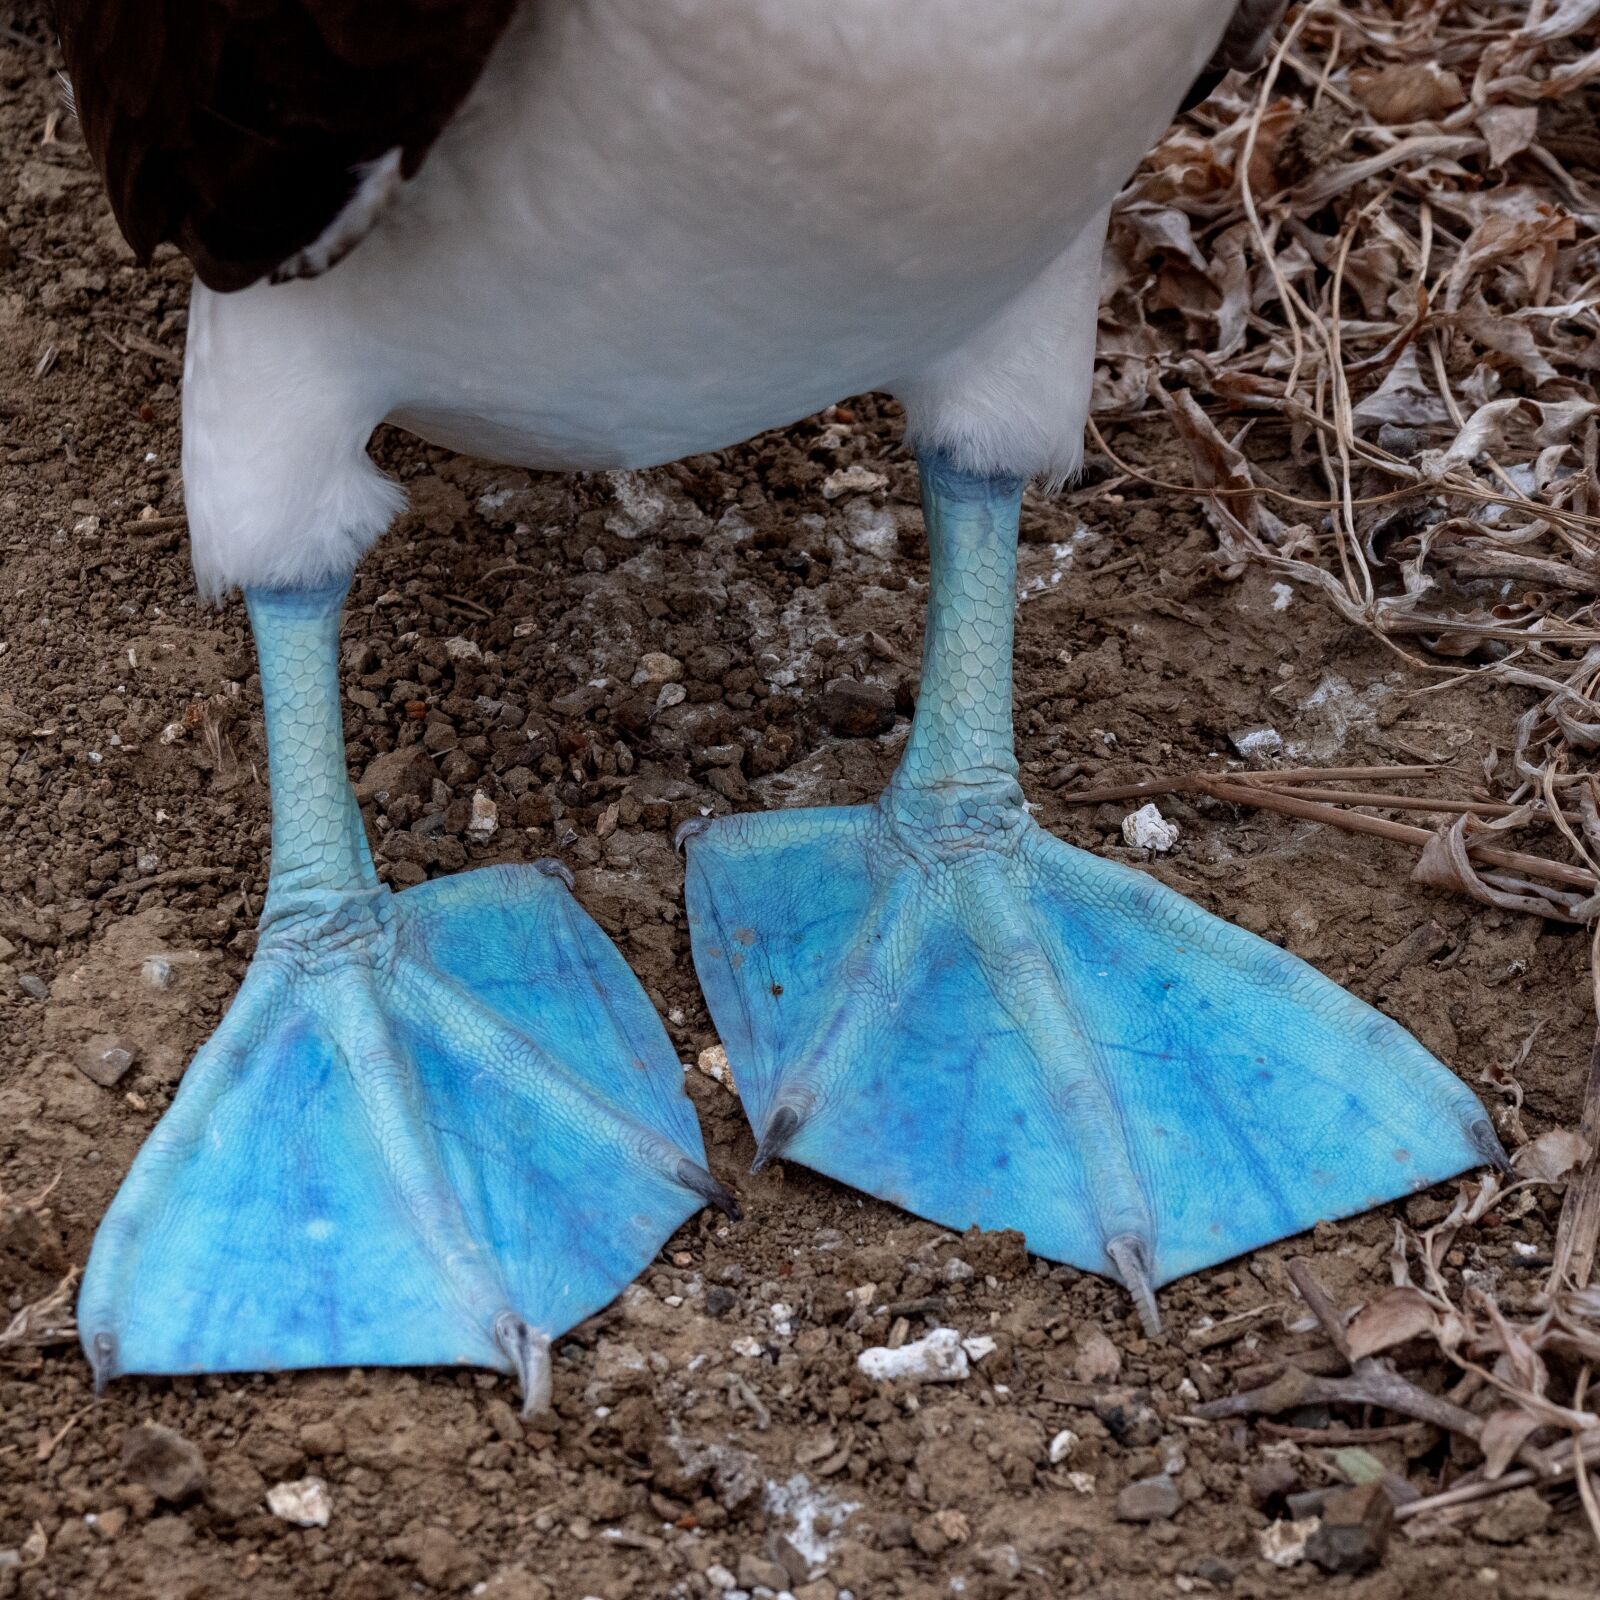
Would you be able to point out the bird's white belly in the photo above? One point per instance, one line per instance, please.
(662, 225)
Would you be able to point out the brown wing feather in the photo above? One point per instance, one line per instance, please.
(236, 128)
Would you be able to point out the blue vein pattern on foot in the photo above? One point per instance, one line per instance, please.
(440, 1126)
(933, 1000)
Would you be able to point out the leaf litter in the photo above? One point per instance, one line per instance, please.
(1381, 253)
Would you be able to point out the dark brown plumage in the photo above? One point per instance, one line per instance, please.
(236, 128)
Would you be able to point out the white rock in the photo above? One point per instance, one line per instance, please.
(1147, 829)
(747, 1347)
(672, 694)
(714, 1063)
(1081, 1482)
(979, 1347)
(1258, 742)
(936, 1358)
(459, 649)
(855, 479)
(1284, 1543)
(1062, 1446)
(485, 817)
(1282, 594)
(304, 1502)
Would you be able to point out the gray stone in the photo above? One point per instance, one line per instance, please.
(758, 1572)
(164, 1461)
(1150, 1500)
(106, 1060)
(1354, 1531)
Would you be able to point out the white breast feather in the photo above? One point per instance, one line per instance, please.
(660, 226)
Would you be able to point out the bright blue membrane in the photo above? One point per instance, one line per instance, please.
(935, 1001)
(434, 1127)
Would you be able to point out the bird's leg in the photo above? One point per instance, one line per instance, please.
(935, 1001)
(434, 1127)
(320, 864)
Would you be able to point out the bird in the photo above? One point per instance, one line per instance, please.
(441, 1126)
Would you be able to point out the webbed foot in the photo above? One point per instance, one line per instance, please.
(434, 1127)
(931, 999)
(985, 1025)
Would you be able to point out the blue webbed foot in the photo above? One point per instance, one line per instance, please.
(985, 1025)
(931, 999)
(439, 1128)
(435, 1127)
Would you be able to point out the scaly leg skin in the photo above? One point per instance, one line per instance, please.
(933, 1000)
(435, 1127)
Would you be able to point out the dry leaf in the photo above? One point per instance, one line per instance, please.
(1504, 1433)
(1508, 130)
(1413, 92)
(1391, 1319)
(1404, 396)
(1552, 1155)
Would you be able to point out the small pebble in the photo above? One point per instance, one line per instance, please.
(1354, 1531)
(1147, 829)
(164, 1461)
(936, 1358)
(304, 1502)
(855, 710)
(485, 820)
(1152, 1499)
(1284, 1543)
(656, 666)
(714, 1063)
(106, 1060)
(854, 479)
(1513, 1517)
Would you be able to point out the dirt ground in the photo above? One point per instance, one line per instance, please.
(711, 1430)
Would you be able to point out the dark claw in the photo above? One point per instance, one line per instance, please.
(1487, 1143)
(102, 1360)
(693, 1176)
(1132, 1261)
(529, 1352)
(781, 1129)
(687, 830)
(552, 868)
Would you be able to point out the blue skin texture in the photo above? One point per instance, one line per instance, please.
(435, 1127)
(935, 1001)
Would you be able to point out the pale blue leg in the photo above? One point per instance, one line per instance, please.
(435, 1127)
(935, 1001)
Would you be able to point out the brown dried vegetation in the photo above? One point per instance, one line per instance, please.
(1385, 245)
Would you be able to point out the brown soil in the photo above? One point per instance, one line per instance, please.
(703, 1439)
